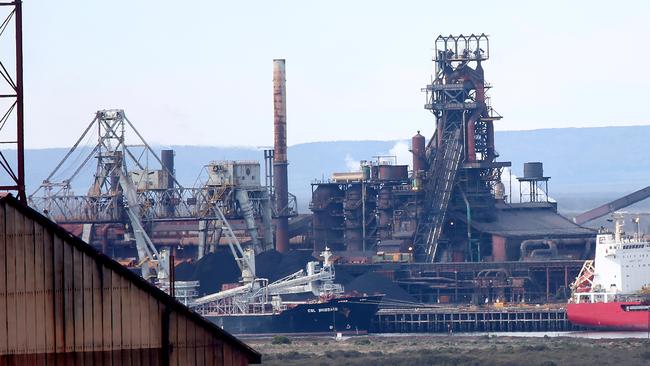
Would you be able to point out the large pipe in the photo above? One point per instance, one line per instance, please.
(525, 245)
(247, 211)
(267, 220)
(552, 246)
(471, 138)
(280, 162)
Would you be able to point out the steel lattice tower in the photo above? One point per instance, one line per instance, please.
(12, 141)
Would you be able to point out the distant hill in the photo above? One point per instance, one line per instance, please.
(587, 166)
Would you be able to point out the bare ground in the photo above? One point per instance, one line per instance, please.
(455, 350)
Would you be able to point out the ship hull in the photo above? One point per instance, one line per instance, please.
(350, 315)
(626, 316)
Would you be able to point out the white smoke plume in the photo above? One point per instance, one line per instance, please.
(351, 164)
(401, 151)
(514, 183)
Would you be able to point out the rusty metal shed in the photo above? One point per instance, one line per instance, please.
(63, 302)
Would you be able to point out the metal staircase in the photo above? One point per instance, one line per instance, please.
(439, 186)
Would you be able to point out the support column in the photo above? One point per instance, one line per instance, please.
(498, 248)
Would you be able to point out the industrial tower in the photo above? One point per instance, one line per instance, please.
(460, 171)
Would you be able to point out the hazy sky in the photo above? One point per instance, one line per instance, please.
(200, 72)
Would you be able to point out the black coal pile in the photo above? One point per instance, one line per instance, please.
(274, 265)
(371, 283)
(267, 263)
(184, 271)
(212, 271)
(291, 262)
(215, 269)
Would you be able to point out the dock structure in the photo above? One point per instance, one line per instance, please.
(444, 320)
(474, 282)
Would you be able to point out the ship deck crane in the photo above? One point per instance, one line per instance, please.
(253, 295)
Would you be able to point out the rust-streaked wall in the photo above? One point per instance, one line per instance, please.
(62, 301)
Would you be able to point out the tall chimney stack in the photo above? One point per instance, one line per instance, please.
(280, 179)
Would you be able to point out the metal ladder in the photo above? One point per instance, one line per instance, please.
(440, 184)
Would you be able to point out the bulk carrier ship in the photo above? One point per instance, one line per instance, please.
(257, 307)
(611, 292)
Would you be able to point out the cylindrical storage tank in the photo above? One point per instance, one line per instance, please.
(417, 149)
(393, 172)
(533, 170)
(365, 169)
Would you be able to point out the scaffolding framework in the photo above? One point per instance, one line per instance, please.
(12, 140)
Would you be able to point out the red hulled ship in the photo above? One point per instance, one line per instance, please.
(610, 292)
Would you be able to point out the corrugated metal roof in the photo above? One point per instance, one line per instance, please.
(252, 355)
(531, 222)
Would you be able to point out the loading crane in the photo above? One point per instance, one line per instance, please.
(146, 250)
(253, 296)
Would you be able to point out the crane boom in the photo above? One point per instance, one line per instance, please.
(146, 250)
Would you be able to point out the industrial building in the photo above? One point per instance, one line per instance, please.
(453, 205)
(446, 230)
(63, 302)
(187, 220)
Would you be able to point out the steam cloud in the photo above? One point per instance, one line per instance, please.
(507, 173)
(351, 164)
(401, 151)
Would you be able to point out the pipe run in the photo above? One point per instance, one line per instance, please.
(549, 247)
(247, 211)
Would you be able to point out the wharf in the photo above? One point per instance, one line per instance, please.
(472, 319)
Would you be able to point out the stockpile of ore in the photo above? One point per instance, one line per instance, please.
(371, 283)
(216, 269)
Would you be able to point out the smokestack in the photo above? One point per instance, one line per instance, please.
(280, 179)
(167, 159)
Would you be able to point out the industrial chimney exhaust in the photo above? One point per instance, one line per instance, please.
(280, 179)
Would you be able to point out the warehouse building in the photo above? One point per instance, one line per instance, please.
(63, 302)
